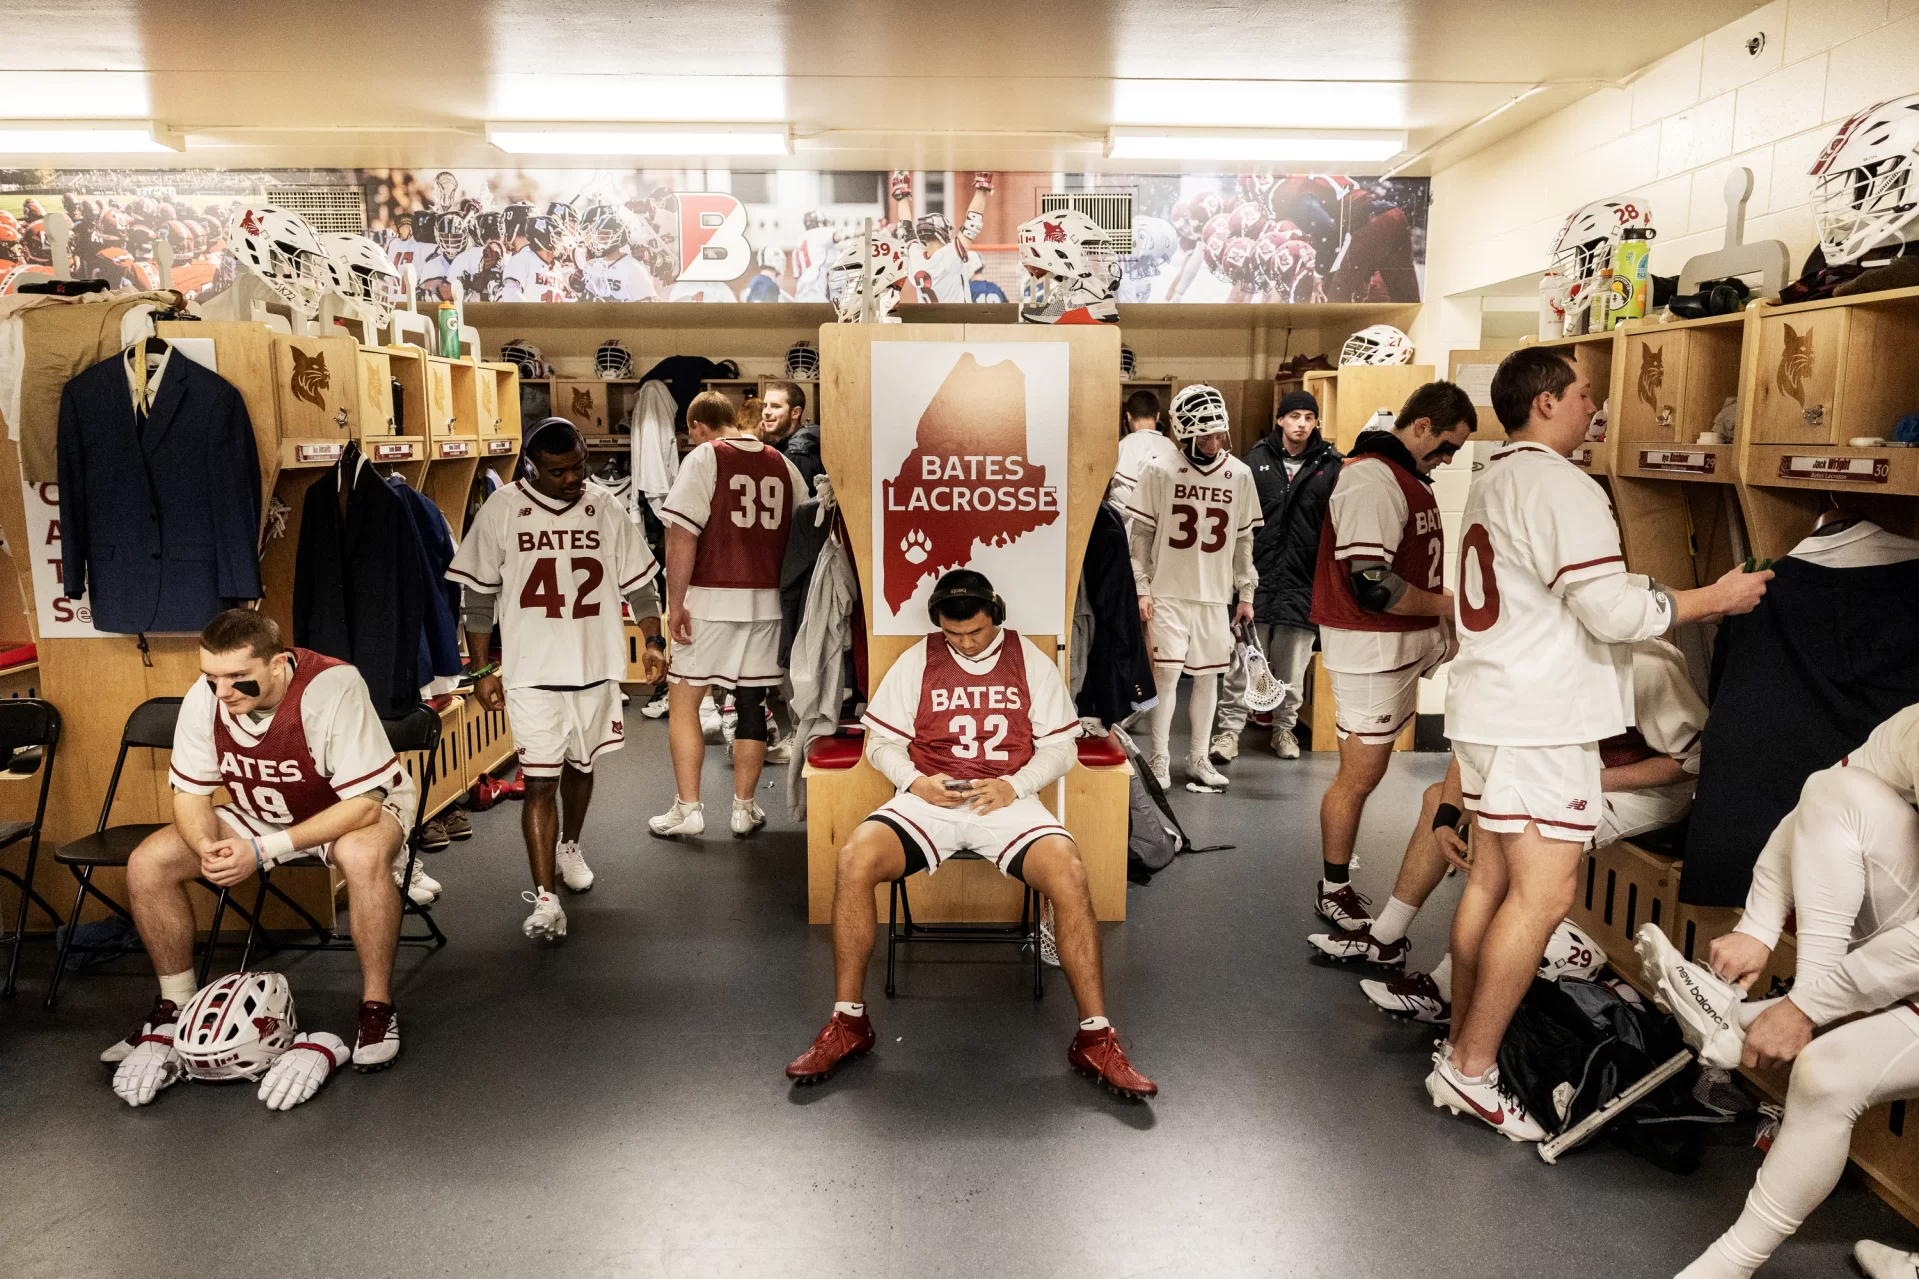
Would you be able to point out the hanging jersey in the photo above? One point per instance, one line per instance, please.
(736, 495)
(1139, 450)
(939, 276)
(529, 278)
(812, 258)
(972, 717)
(560, 572)
(323, 743)
(1195, 519)
(619, 279)
(1529, 673)
(1379, 511)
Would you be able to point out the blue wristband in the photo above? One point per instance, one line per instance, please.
(259, 862)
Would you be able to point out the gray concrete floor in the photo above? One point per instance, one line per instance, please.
(615, 1106)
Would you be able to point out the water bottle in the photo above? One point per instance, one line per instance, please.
(1631, 270)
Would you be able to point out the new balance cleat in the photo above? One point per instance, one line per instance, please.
(748, 817)
(1415, 995)
(571, 863)
(547, 923)
(1706, 1006)
(683, 819)
(1097, 1053)
(377, 1044)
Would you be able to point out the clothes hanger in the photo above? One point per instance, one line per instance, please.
(1833, 519)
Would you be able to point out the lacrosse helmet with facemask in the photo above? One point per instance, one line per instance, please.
(1199, 411)
(1864, 192)
(882, 267)
(802, 363)
(236, 1027)
(1585, 244)
(612, 361)
(280, 248)
(363, 271)
(1377, 344)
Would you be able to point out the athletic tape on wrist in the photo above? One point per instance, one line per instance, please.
(1446, 815)
(275, 848)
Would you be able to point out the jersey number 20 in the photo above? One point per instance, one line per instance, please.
(1186, 527)
(771, 504)
(968, 731)
(542, 588)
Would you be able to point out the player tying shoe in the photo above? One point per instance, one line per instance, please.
(553, 554)
(969, 726)
(1380, 602)
(294, 738)
(727, 519)
(1546, 610)
(1845, 864)
(1646, 782)
(1191, 522)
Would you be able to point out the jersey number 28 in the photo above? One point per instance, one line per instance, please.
(967, 729)
(542, 588)
(1186, 527)
(767, 511)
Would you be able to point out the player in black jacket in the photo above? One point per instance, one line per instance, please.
(1294, 469)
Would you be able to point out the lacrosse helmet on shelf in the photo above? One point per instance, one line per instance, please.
(1864, 192)
(802, 363)
(1199, 411)
(1587, 238)
(363, 271)
(612, 361)
(529, 358)
(1127, 362)
(1377, 344)
(1570, 953)
(1073, 253)
(886, 264)
(281, 249)
(236, 1027)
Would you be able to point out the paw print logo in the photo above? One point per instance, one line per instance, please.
(916, 546)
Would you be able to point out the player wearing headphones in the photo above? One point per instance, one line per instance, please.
(969, 727)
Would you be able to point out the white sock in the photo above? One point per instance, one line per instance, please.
(1392, 921)
(1715, 1263)
(851, 1010)
(1095, 1023)
(1748, 1012)
(1160, 718)
(1205, 700)
(1443, 977)
(178, 987)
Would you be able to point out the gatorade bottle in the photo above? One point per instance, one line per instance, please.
(447, 322)
(1631, 271)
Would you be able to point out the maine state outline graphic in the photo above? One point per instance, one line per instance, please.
(967, 481)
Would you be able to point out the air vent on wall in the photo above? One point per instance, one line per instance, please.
(329, 209)
(1109, 210)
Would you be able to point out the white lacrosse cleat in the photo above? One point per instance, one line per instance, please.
(1484, 1098)
(681, 819)
(748, 817)
(547, 922)
(1200, 769)
(1706, 1006)
(571, 863)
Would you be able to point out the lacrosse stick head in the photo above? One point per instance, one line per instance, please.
(1264, 691)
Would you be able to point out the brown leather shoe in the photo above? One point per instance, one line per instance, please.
(844, 1037)
(1097, 1053)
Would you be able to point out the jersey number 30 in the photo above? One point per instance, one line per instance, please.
(967, 729)
(542, 587)
(771, 504)
(1186, 529)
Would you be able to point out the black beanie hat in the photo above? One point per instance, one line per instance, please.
(1293, 401)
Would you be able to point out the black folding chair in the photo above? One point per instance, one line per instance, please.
(901, 930)
(150, 727)
(27, 723)
(419, 730)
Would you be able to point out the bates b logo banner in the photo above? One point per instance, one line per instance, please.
(713, 243)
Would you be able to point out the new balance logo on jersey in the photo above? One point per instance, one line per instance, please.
(560, 539)
(995, 697)
(525, 511)
(261, 770)
(619, 729)
(1577, 805)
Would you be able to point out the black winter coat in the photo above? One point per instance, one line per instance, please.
(1286, 550)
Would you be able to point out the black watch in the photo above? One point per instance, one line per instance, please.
(656, 642)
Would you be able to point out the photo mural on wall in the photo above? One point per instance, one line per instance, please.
(638, 235)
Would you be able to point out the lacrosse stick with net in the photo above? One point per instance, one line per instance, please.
(1264, 691)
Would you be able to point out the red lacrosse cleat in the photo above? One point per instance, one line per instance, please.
(1097, 1053)
(844, 1037)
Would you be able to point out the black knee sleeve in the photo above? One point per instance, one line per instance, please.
(751, 705)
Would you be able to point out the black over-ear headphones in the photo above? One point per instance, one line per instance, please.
(995, 606)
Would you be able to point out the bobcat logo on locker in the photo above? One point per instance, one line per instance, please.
(1652, 374)
(619, 729)
(1795, 364)
(310, 377)
(582, 402)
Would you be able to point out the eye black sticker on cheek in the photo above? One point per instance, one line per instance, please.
(247, 687)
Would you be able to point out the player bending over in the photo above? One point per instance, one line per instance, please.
(1546, 610)
(1381, 605)
(1845, 863)
(969, 726)
(1646, 782)
(550, 557)
(295, 740)
(1191, 522)
(726, 524)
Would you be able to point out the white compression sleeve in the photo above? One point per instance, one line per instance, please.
(1140, 543)
(1166, 680)
(1621, 608)
(1053, 758)
(888, 754)
(1205, 700)
(1245, 577)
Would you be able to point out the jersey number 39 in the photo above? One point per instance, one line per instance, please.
(770, 506)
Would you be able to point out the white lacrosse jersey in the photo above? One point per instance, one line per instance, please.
(561, 572)
(619, 279)
(436, 267)
(1194, 518)
(939, 276)
(403, 253)
(1139, 450)
(812, 259)
(1891, 754)
(529, 279)
(1529, 673)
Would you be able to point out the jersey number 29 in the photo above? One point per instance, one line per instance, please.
(542, 587)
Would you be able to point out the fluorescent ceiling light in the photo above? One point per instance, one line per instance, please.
(73, 137)
(642, 139)
(1254, 145)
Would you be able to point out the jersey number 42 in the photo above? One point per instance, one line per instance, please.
(542, 587)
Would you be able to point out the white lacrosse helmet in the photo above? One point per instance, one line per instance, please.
(613, 360)
(1127, 362)
(1073, 253)
(1588, 236)
(530, 359)
(281, 249)
(802, 362)
(1198, 411)
(773, 259)
(1377, 344)
(849, 273)
(1154, 244)
(1865, 193)
(236, 1027)
(363, 271)
(1570, 953)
